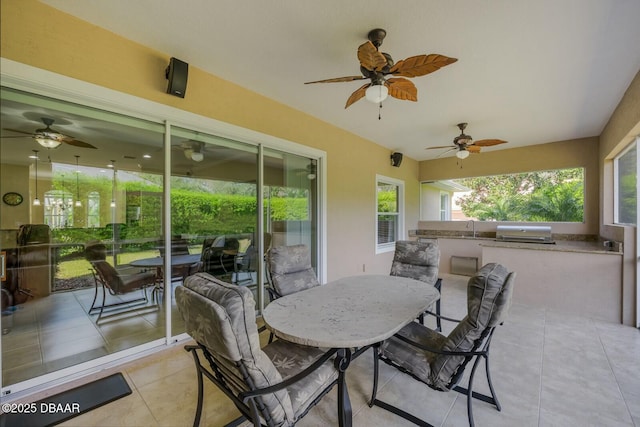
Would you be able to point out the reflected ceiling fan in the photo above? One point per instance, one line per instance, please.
(376, 66)
(50, 138)
(464, 144)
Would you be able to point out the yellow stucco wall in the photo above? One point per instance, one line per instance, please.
(43, 37)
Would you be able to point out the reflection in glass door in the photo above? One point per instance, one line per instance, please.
(214, 184)
(291, 200)
(94, 196)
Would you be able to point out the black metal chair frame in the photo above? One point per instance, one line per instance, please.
(479, 350)
(116, 305)
(438, 286)
(249, 403)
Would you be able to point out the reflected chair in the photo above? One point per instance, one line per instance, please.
(439, 361)
(219, 257)
(275, 385)
(116, 282)
(289, 270)
(179, 246)
(419, 261)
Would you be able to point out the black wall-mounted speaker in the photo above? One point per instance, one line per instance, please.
(396, 159)
(177, 73)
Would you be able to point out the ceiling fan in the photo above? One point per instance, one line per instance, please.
(376, 65)
(464, 144)
(50, 138)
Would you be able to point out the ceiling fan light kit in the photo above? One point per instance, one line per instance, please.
(376, 93)
(47, 142)
(464, 145)
(462, 154)
(376, 65)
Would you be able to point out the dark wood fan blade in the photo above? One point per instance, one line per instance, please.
(442, 146)
(488, 142)
(473, 148)
(420, 65)
(339, 79)
(76, 143)
(370, 58)
(402, 89)
(15, 136)
(18, 131)
(357, 95)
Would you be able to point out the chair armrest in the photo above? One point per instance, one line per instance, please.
(438, 351)
(245, 396)
(273, 295)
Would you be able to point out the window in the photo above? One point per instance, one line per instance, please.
(540, 196)
(445, 212)
(626, 186)
(93, 209)
(390, 213)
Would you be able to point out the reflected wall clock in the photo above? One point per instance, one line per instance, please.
(12, 199)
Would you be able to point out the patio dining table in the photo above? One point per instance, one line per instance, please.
(352, 312)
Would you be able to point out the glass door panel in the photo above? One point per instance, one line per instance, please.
(214, 184)
(101, 188)
(291, 200)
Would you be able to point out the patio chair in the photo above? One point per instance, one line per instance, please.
(275, 385)
(179, 246)
(420, 261)
(289, 270)
(438, 360)
(115, 282)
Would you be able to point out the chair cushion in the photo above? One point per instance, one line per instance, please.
(416, 260)
(290, 359)
(221, 317)
(291, 270)
(488, 299)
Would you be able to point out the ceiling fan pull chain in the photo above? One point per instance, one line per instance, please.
(380, 111)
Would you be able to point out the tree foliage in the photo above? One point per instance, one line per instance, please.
(556, 195)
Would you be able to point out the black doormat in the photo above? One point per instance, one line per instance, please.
(66, 405)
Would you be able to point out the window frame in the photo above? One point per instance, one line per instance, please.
(399, 232)
(616, 182)
(446, 209)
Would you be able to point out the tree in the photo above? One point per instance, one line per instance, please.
(556, 195)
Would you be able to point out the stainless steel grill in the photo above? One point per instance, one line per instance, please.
(524, 233)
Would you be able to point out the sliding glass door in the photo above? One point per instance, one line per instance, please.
(85, 178)
(96, 232)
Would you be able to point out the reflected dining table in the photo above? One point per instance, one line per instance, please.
(350, 313)
(158, 263)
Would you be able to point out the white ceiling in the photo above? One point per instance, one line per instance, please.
(528, 72)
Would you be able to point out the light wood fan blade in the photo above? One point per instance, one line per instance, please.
(442, 146)
(420, 65)
(370, 58)
(402, 89)
(339, 79)
(357, 95)
(473, 149)
(488, 142)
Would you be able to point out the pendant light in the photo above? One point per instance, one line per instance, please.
(36, 201)
(78, 202)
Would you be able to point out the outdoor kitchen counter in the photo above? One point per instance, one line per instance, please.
(560, 245)
(489, 240)
(575, 275)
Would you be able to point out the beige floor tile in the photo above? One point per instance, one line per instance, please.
(159, 366)
(128, 411)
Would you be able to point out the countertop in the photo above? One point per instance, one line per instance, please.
(570, 244)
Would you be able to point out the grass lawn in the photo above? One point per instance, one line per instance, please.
(81, 267)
